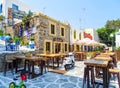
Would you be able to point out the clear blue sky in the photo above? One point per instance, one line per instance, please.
(79, 13)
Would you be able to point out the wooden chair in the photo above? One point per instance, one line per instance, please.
(91, 69)
(115, 72)
(8, 63)
(46, 63)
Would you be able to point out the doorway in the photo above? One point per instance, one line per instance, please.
(58, 47)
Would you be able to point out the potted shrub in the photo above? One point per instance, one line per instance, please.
(31, 43)
(31, 39)
(17, 40)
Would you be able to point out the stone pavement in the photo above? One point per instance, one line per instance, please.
(72, 79)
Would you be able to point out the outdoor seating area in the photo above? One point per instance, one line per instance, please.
(95, 63)
(102, 66)
(29, 62)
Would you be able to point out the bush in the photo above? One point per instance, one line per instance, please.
(1, 32)
(31, 39)
(16, 38)
(117, 48)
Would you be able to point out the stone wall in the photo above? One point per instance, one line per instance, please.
(42, 24)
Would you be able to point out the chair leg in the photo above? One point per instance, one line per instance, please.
(12, 68)
(48, 65)
(7, 64)
(92, 77)
(29, 68)
(118, 75)
(84, 77)
(5, 69)
(45, 66)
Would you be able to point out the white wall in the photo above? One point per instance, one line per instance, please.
(117, 39)
(78, 31)
(22, 6)
(93, 33)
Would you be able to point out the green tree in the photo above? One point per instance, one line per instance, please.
(2, 17)
(113, 24)
(26, 19)
(1, 32)
(104, 35)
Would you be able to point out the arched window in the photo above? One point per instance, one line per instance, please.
(79, 36)
(74, 34)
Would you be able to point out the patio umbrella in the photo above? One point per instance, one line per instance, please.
(84, 41)
(76, 42)
(93, 43)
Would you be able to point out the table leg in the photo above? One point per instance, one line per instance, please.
(16, 66)
(53, 62)
(57, 58)
(48, 62)
(32, 63)
(88, 78)
(105, 77)
(25, 64)
(41, 67)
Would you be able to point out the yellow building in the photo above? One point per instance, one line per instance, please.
(51, 35)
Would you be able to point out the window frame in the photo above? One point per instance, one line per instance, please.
(50, 41)
(50, 33)
(61, 31)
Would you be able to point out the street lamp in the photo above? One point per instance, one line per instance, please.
(111, 35)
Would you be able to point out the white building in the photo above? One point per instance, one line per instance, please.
(93, 33)
(75, 34)
(79, 34)
(14, 10)
(117, 39)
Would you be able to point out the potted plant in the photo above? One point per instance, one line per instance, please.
(16, 39)
(31, 43)
(31, 39)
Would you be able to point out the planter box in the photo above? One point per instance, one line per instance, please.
(117, 55)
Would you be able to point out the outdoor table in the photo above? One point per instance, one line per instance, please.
(110, 53)
(103, 55)
(53, 57)
(98, 63)
(80, 55)
(32, 60)
(102, 58)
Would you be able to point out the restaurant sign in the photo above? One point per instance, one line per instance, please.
(58, 39)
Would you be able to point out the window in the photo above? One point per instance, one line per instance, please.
(80, 36)
(62, 31)
(58, 47)
(52, 29)
(77, 47)
(15, 7)
(66, 47)
(0, 8)
(74, 34)
(73, 48)
(47, 46)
